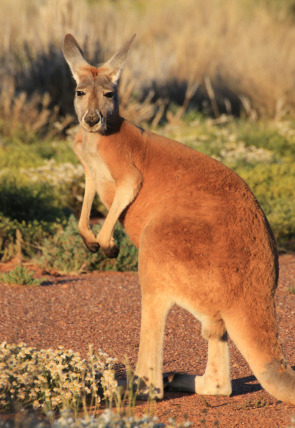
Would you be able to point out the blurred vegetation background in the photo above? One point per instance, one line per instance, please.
(217, 75)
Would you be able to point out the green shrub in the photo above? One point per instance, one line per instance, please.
(16, 154)
(8, 230)
(279, 137)
(30, 236)
(273, 186)
(19, 276)
(30, 208)
(41, 180)
(29, 201)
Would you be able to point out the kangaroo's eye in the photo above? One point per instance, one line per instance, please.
(80, 93)
(109, 95)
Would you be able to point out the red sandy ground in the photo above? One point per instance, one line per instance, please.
(103, 309)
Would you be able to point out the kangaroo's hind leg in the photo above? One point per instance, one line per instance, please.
(216, 379)
(149, 365)
(156, 301)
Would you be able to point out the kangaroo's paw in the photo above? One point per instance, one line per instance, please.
(90, 241)
(202, 385)
(92, 246)
(107, 245)
(111, 252)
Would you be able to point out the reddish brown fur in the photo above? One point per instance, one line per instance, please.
(93, 71)
(204, 243)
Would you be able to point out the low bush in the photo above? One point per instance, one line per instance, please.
(273, 186)
(51, 380)
(23, 236)
(20, 275)
(279, 137)
(60, 384)
(30, 201)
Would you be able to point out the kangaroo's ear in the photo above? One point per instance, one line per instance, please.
(115, 65)
(74, 55)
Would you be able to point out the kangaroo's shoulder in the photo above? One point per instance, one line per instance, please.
(161, 153)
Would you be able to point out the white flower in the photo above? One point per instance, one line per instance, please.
(36, 404)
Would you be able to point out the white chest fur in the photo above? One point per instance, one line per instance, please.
(88, 152)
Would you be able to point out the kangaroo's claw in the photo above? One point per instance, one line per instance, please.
(111, 252)
(92, 246)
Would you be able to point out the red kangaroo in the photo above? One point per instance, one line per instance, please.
(204, 242)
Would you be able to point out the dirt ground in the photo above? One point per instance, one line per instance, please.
(103, 309)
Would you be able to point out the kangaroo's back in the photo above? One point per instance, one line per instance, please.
(204, 242)
(191, 185)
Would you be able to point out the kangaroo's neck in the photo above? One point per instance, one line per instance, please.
(113, 125)
(127, 144)
(122, 129)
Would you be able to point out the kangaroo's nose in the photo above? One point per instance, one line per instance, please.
(92, 118)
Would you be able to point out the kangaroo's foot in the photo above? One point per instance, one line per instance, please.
(206, 385)
(215, 381)
(203, 385)
(179, 382)
(139, 389)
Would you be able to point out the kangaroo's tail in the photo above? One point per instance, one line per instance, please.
(252, 326)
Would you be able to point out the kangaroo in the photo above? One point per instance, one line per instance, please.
(204, 242)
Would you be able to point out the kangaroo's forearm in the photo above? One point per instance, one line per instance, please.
(125, 194)
(84, 230)
(87, 204)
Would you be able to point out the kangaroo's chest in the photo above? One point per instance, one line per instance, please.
(99, 171)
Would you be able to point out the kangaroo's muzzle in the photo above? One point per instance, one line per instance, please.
(92, 118)
(93, 121)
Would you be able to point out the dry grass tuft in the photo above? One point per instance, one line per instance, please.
(225, 54)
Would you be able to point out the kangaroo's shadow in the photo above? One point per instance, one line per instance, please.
(245, 385)
(240, 386)
(48, 282)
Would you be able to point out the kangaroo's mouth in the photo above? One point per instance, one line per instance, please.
(94, 121)
(99, 127)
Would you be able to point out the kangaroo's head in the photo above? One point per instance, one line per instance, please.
(96, 101)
